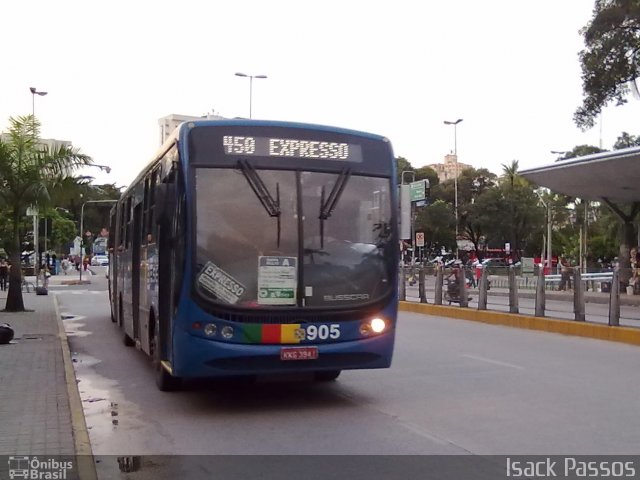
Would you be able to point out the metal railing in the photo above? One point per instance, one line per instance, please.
(431, 282)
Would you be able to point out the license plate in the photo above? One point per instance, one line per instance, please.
(299, 353)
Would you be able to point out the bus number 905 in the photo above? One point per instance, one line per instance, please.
(322, 332)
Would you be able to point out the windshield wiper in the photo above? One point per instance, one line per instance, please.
(271, 205)
(327, 207)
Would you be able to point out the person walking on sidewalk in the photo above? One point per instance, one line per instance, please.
(4, 274)
(46, 273)
(64, 265)
(565, 275)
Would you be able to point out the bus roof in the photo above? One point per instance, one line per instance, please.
(268, 123)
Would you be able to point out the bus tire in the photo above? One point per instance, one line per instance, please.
(164, 380)
(127, 340)
(327, 376)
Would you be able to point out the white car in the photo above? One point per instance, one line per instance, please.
(100, 260)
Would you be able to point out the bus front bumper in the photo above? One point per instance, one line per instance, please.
(196, 357)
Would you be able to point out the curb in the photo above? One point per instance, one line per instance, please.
(84, 454)
(626, 335)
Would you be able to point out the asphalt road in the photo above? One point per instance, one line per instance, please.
(455, 388)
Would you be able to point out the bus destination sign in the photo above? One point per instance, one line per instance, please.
(288, 147)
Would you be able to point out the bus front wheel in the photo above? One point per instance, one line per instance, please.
(164, 380)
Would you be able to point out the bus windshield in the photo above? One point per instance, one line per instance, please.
(287, 238)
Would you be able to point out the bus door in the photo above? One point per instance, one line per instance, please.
(171, 246)
(135, 268)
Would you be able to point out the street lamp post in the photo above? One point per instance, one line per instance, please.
(102, 167)
(455, 177)
(82, 227)
(560, 152)
(412, 219)
(35, 92)
(547, 206)
(250, 77)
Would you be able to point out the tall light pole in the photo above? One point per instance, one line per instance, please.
(412, 213)
(250, 77)
(455, 177)
(35, 92)
(36, 269)
(559, 152)
(106, 168)
(547, 205)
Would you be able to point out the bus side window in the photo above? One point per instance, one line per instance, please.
(128, 227)
(151, 217)
(145, 210)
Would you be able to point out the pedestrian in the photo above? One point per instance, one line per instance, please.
(4, 274)
(46, 273)
(565, 275)
(469, 272)
(65, 265)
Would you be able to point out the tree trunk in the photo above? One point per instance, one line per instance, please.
(627, 238)
(624, 254)
(15, 302)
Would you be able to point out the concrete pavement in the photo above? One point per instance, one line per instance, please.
(40, 408)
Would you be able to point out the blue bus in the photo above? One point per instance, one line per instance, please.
(252, 247)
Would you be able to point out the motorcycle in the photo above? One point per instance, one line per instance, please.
(452, 292)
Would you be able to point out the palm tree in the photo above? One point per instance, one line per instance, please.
(29, 171)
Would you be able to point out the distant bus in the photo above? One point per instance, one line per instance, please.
(253, 247)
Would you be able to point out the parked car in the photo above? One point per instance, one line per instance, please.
(100, 260)
(494, 262)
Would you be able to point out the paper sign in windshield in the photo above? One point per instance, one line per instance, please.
(277, 280)
(221, 284)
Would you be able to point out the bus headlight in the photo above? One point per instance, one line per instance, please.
(373, 326)
(227, 332)
(210, 329)
(378, 325)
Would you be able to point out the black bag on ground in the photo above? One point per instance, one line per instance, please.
(6, 333)
(42, 291)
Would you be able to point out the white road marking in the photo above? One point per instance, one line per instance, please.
(495, 362)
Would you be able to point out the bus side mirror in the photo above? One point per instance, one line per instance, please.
(165, 195)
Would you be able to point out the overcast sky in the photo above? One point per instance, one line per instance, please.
(111, 69)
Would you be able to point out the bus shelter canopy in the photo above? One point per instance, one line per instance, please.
(614, 176)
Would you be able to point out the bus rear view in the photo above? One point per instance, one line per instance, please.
(282, 255)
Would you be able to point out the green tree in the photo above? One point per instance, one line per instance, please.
(510, 211)
(580, 151)
(402, 165)
(437, 221)
(472, 184)
(611, 60)
(428, 173)
(625, 234)
(625, 141)
(28, 172)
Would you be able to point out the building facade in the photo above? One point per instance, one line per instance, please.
(450, 168)
(169, 123)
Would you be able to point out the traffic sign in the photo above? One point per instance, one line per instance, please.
(418, 190)
(419, 239)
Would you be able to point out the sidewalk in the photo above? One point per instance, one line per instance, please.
(40, 408)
